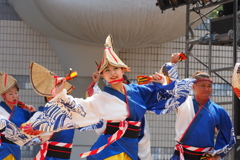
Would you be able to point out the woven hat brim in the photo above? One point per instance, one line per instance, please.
(43, 80)
(10, 82)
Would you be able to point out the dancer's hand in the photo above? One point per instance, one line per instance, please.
(175, 58)
(60, 86)
(158, 78)
(30, 108)
(96, 76)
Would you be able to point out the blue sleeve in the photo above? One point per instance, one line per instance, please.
(225, 139)
(149, 93)
(177, 93)
(20, 116)
(154, 93)
(161, 99)
(65, 136)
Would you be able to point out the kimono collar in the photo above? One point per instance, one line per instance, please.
(5, 106)
(122, 97)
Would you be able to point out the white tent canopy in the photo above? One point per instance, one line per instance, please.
(77, 29)
(133, 23)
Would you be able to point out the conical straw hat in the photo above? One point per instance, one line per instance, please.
(43, 80)
(6, 82)
(109, 56)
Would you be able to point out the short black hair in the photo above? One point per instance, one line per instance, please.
(126, 79)
(45, 98)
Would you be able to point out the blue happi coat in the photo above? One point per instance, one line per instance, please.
(218, 122)
(16, 116)
(211, 120)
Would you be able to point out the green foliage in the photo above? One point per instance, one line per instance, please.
(214, 13)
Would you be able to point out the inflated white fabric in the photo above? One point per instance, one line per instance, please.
(133, 23)
(85, 111)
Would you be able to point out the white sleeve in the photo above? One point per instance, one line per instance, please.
(19, 137)
(96, 89)
(99, 131)
(65, 112)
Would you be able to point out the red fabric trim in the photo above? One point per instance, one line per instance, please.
(113, 126)
(58, 151)
(1, 138)
(203, 80)
(133, 129)
(192, 153)
(127, 128)
(11, 102)
(111, 54)
(118, 80)
(5, 79)
(68, 145)
(127, 101)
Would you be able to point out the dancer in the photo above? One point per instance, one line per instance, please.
(144, 147)
(10, 113)
(54, 145)
(198, 120)
(123, 106)
(59, 144)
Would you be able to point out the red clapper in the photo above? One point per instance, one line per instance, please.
(182, 56)
(69, 76)
(144, 79)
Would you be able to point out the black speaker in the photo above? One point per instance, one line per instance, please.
(237, 149)
(228, 8)
(221, 25)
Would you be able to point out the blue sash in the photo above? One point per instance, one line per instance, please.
(194, 123)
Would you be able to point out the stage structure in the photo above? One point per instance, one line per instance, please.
(223, 31)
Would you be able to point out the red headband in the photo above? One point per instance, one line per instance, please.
(203, 80)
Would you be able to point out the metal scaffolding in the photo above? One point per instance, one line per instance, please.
(230, 38)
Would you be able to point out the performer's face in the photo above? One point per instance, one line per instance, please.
(112, 73)
(202, 89)
(11, 95)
